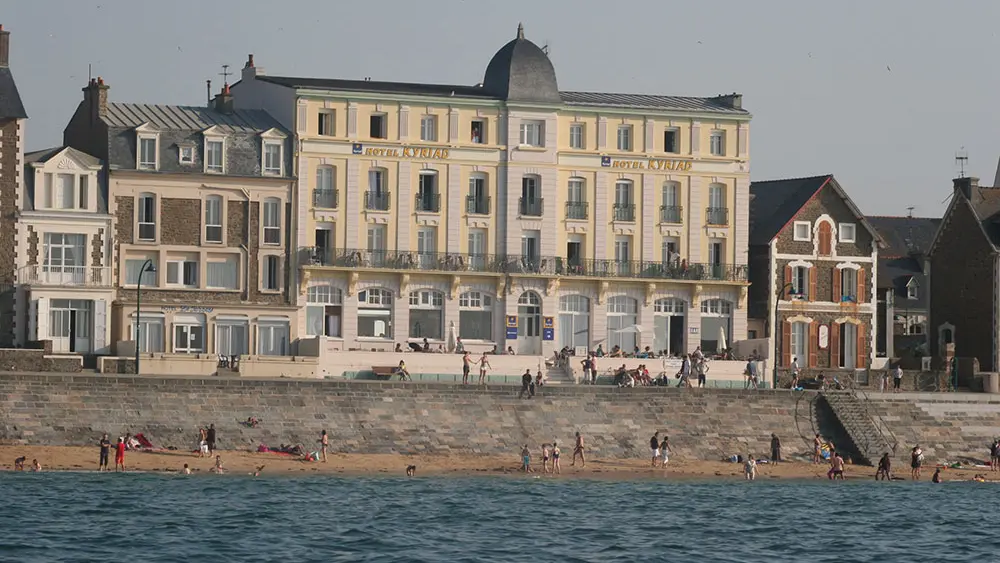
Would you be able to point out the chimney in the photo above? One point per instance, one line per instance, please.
(4, 47)
(250, 70)
(224, 101)
(95, 95)
(733, 100)
(966, 186)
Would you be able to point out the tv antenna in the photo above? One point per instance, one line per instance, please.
(961, 160)
(909, 212)
(547, 48)
(225, 74)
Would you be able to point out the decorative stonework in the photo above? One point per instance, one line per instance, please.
(743, 297)
(552, 286)
(650, 293)
(602, 292)
(696, 295)
(456, 282)
(32, 246)
(404, 284)
(352, 284)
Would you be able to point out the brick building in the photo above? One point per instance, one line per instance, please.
(12, 118)
(812, 258)
(964, 262)
(200, 198)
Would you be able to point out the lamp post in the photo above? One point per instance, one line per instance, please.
(147, 266)
(774, 334)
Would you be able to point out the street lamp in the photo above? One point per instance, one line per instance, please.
(774, 335)
(147, 266)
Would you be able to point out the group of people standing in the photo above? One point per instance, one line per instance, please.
(550, 454)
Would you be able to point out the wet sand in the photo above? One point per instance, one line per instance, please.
(69, 458)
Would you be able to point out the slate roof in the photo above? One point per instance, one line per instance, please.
(521, 71)
(905, 235)
(188, 118)
(10, 100)
(649, 101)
(774, 203)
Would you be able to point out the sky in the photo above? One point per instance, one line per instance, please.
(881, 94)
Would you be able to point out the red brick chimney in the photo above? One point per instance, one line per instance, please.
(4, 47)
(224, 100)
(95, 95)
(251, 70)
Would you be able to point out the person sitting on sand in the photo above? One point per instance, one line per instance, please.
(186, 470)
(35, 466)
(19, 463)
(218, 465)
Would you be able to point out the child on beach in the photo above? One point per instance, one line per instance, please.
(750, 468)
(186, 470)
(555, 458)
(218, 465)
(19, 463)
(525, 459)
(484, 366)
(665, 450)
(545, 458)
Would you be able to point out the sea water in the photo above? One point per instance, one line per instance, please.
(150, 517)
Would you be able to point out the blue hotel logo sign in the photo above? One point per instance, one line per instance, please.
(605, 161)
(356, 148)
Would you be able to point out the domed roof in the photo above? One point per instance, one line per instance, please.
(522, 72)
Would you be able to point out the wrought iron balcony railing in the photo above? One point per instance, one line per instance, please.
(428, 202)
(717, 216)
(671, 214)
(623, 212)
(477, 205)
(377, 201)
(530, 207)
(577, 209)
(326, 198)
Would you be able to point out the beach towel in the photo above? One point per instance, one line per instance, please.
(143, 441)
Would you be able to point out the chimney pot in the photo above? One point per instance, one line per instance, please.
(4, 47)
(250, 60)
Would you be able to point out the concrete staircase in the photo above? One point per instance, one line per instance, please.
(870, 434)
(557, 376)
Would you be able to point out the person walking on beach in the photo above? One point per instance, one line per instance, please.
(211, 439)
(775, 448)
(916, 460)
(836, 466)
(120, 455)
(525, 384)
(665, 451)
(525, 459)
(555, 459)
(484, 365)
(202, 442)
(105, 445)
(324, 442)
(578, 451)
(817, 449)
(750, 468)
(545, 458)
(654, 447)
(466, 367)
(995, 455)
(884, 468)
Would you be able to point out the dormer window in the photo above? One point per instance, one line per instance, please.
(66, 191)
(214, 156)
(272, 159)
(185, 155)
(911, 290)
(147, 153)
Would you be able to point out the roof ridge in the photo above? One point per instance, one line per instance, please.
(184, 106)
(902, 217)
(797, 179)
(265, 77)
(636, 94)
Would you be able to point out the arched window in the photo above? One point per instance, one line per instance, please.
(375, 313)
(574, 321)
(716, 324)
(669, 325)
(825, 235)
(529, 323)
(623, 329)
(475, 316)
(324, 311)
(427, 314)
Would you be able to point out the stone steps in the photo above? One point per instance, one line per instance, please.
(857, 422)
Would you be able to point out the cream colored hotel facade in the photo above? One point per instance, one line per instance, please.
(512, 214)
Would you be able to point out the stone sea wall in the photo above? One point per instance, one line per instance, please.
(368, 417)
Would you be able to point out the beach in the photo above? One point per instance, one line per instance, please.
(73, 458)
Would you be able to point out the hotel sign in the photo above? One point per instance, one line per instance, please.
(647, 164)
(401, 152)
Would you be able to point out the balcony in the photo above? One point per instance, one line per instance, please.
(623, 212)
(325, 198)
(70, 276)
(671, 214)
(427, 203)
(577, 209)
(477, 205)
(717, 216)
(530, 207)
(517, 264)
(377, 201)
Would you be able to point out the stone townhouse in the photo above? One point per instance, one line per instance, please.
(200, 199)
(964, 260)
(903, 292)
(812, 264)
(12, 119)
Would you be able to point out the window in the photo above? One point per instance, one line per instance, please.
(477, 249)
(799, 346)
(428, 128)
(427, 314)
(222, 274)
(213, 218)
(189, 334)
(475, 316)
(147, 217)
(377, 196)
(716, 253)
(670, 250)
(574, 321)
(532, 133)
(65, 196)
(83, 193)
(802, 231)
(623, 255)
(324, 310)
(800, 282)
(623, 329)
(151, 328)
(325, 197)
(214, 149)
(65, 258)
(911, 290)
(147, 153)
(427, 246)
(847, 232)
(717, 143)
(531, 196)
(132, 267)
(576, 200)
(231, 337)
(272, 221)
(625, 137)
(669, 326)
(271, 273)
(428, 198)
(576, 136)
(377, 126)
(670, 141)
(327, 125)
(848, 284)
(375, 313)
(624, 206)
(182, 272)
(825, 235)
(185, 155)
(848, 345)
(377, 240)
(272, 159)
(273, 338)
(478, 200)
(716, 307)
(718, 213)
(670, 209)
(478, 133)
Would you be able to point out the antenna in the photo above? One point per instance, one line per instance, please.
(547, 48)
(961, 160)
(909, 212)
(90, 72)
(225, 74)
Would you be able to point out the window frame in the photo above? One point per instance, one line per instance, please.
(270, 327)
(482, 132)
(800, 282)
(912, 290)
(267, 228)
(677, 140)
(182, 273)
(626, 138)
(189, 159)
(140, 164)
(332, 118)
(807, 237)
(267, 170)
(799, 341)
(532, 133)
(719, 134)
(580, 129)
(209, 167)
(384, 133)
(429, 128)
(481, 303)
(841, 235)
(154, 220)
(848, 285)
(267, 282)
(220, 200)
(236, 273)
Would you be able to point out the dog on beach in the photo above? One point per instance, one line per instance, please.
(411, 470)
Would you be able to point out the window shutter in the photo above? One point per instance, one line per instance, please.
(813, 274)
(813, 343)
(100, 325)
(862, 348)
(788, 277)
(834, 345)
(824, 239)
(837, 291)
(862, 295)
(786, 343)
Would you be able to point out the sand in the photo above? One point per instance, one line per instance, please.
(69, 458)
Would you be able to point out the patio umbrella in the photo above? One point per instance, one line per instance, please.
(631, 329)
(451, 337)
(722, 339)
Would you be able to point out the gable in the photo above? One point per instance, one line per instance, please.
(959, 221)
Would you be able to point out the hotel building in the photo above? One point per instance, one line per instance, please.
(510, 213)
